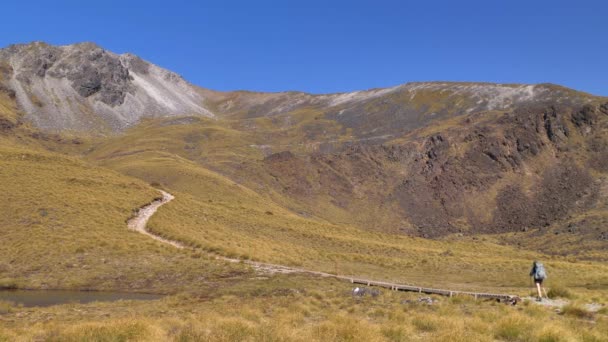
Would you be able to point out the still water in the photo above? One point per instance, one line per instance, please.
(29, 298)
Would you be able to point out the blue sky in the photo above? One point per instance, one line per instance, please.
(335, 46)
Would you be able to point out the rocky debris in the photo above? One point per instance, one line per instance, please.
(6, 71)
(598, 150)
(513, 300)
(8, 91)
(92, 70)
(435, 145)
(572, 228)
(420, 300)
(554, 125)
(6, 125)
(604, 108)
(37, 60)
(364, 291)
(587, 116)
(283, 156)
(136, 64)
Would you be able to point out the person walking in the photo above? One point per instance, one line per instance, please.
(539, 274)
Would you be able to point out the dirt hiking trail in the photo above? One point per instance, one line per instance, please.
(139, 222)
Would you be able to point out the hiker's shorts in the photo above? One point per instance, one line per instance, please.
(538, 281)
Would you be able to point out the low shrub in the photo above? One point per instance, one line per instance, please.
(5, 307)
(117, 332)
(8, 284)
(553, 332)
(513, 330)
(560, 292)
(577, 311)
(395, 334)
(425, 324)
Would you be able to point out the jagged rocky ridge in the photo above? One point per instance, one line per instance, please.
(83, 87)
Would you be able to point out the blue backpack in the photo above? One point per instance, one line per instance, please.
(539, 272)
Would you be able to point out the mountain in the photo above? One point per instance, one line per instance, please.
(525, 163)
(83, 87)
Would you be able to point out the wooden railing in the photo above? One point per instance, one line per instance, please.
(507, 298)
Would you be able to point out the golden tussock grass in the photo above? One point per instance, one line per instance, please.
(63, 225)
(297, 308)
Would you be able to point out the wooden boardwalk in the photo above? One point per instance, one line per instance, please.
(507, 298)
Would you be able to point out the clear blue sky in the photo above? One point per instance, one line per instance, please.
(333, 46)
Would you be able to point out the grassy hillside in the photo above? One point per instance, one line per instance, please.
(63, 225)
(217, 214)
(497, 172)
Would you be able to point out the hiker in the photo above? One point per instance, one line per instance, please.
(540, 274)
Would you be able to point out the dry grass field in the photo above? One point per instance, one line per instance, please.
(298, 308)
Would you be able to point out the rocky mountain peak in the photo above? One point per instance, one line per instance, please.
(82, 87)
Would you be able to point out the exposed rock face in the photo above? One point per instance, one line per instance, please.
(94, 71)
(83, 87)
(519, 171)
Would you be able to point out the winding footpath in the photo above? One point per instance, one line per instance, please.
(139, 222)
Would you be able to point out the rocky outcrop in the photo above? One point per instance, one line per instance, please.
(517, 172)
(95, 71)
(83, 87)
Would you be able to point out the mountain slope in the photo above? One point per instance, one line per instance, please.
(63, 225)
(82, 87)
(389, 112)
(533, 169)
(427, 159)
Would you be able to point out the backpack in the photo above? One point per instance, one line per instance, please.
(539, 272)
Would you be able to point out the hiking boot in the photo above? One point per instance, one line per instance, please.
(539, 299)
